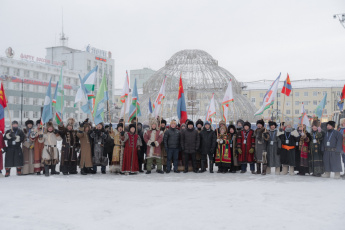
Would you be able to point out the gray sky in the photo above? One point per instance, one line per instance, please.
(253, 39)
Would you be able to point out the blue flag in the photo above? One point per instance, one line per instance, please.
(321, 106)
(47, 113)
(150, 106)
(134, 109)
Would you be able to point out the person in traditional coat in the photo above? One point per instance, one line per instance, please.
(85, 156)
(199, 127)
(302, 151)
(273, 145)
(239, 125)
(223, 152)
(288, 138)
(208, 143)
(98, 138)
(70, 147)
(232, 147)
(190, 142)
(28, 148)
(164, 155)
(14, 153)
(332, 145)
(316, 154)
(115, 134)
(261, 141)
(132, 143)
(153, 139)
(342, 132)
(109, 143)
(50, 154)
(172, 144)
(2, 151)
(38, 149)
(143, 147)
(246, 148)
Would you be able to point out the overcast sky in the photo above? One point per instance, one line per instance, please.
(252, 39)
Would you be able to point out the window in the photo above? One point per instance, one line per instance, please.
(315, 102)
(26, 114)
(26, 73)
(278, 103)
(306, 111)
(278, 94)
(16, 100)
(324, 93)
(35, 88)
(68, 80)
(314, 93)
(306, 102)
(306, 94)
(35, 101)
(253, 99)
(35, 115)
(16, 86)
(288, 104)
(245, 94)
(296, 111)
(35, 75)
(44, 77)
(27, 87)
(288, 111)
(297, 94)
(296, 102)
(6, 70)
(261, 94)
(16, 114)
(16, 72)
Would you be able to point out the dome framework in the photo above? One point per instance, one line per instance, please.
(201, 77)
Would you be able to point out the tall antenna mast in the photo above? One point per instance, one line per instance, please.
(63, 39)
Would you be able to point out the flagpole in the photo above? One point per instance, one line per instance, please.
(283, 108)
(293, 118)
(321, 118)
(136, 118)
(9, 114)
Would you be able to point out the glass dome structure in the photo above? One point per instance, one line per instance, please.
(201, 77)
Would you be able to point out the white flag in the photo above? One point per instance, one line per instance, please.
(211, 112)
(228, 97)
(157, 106)
(124, 97)
(304, 118)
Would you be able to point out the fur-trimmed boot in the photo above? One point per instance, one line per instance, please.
(326, 175)
(258, 168)
(54, 172)
(277, 170)
(268, 170)
(46, 170)
(337, 175)
(284, 170)
(264, 169)
(292, 171)
(19, 171)
(8, 172)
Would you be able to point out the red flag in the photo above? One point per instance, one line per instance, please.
(3, 105)
(287, 86)
(181, 104)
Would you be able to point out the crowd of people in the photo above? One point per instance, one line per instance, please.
(133, 149)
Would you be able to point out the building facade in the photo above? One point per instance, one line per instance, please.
(310, 92)
(142, 75)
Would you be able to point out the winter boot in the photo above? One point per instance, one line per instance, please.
(8, 172)
(164, 168)
(160, 171)
(268, 170)
(46, 170)
(38, 173)
(203, 167)
(326, 175)
(19, 171)
(211, 166)
(277, 170)
(83, 172)
(148, 172)
(264, 168)
(337, 175)
(284, 170)
(292, 170)
(54, 172)
(141, 168)
(220, 169)
(258, 168)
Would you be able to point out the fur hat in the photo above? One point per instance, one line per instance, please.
(153, 121)
(119, 125)
(247, 124)
(240, 121)
(199, 122)
(163, 121)
(315, 122)
(38, 122)
(260, 122)
(49, 124)
(14, 122)
(29, 122)
(332, 123)
(190, 123)
(207, 123)
(287, 123)
(222, 128)
(183, 125)
(222, 122)
(342, 120)
(232, 127)
(70, 121)
(132, 126)
(173, 122)
(270, 123)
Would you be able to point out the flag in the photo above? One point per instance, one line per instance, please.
(134, 109)
(321, 106)
(341, 99)
(86, 101)
(287, 86)
(89, 79)
(59, 106)
(181, 103)
(3, 105)
(211, 112)
(228, 97)
(100, 101)
(149, 111)
(158, 102)
(269, 97)
(124, 97)
(55, 94)
(47, 113)
(304, 118)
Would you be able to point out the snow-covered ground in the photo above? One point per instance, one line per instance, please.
(171, 201)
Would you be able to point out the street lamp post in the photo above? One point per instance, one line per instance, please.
(341, 18)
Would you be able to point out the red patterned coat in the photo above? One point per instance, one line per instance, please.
(245, 141)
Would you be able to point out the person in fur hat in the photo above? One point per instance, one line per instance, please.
(164, 155)
(302, 151)
(143, 147)
(85, 156)
(316, 154)
(14, 152)
(98, 138)
(232, 147)
(332, 145)
(28, 148)
(190, 142)
(199, 126)
(223, 152)
(38, 149)
(246, 147)
(153, 139)
(261, 140)
(273, 146)
(239, 125)
(208, 144)
(70, 147)
(132, 144)
(288, 138)
(50, 154)
(116, 134)
(172, 144)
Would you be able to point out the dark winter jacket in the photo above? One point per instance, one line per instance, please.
(14, 154)
(190, 140)
(208, 141)
(172, 139)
